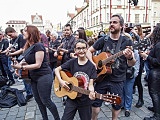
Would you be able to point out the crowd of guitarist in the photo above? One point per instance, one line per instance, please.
(71, 54)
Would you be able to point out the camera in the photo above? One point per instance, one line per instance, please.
(128, 27)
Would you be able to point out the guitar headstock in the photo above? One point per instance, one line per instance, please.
(111, 98)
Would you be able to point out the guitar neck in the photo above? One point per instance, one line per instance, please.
(86, 92)
(104, 62)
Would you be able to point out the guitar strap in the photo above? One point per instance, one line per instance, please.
(15, 41)
(118, 44)
(25, 53)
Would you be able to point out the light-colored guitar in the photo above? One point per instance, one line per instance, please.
(74, 90)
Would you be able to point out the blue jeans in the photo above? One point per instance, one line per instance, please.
(28, 88)
(127, 93)
(41, 87)
(5, 68)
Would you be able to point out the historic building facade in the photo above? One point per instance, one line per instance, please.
(16, 24)
(95, 14)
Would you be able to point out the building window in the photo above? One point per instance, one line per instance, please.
(126, 17)
(144, 17)
(107, 17)
(96, 20)
(136, 18)
(154, 23)
(119, 2)
(97, 4)
(12, 25)
(154, 14)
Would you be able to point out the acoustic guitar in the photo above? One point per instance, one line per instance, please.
(75, 89)
(104, 60)
(60, 52)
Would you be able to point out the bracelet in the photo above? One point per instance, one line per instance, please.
(130, 58)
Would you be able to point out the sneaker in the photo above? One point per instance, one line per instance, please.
(10, 82)
(106, 103)
(127, 113)
(150, 108)
(28, 97)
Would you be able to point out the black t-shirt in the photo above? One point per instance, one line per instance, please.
(85, 72)
(19, 43)
(3, 46)
(53, 45)
(68, 44)
(120, 65)
(30, 59)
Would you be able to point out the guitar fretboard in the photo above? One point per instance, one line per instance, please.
(86, 92)
(104, 62)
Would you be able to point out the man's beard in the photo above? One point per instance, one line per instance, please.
(115, 31)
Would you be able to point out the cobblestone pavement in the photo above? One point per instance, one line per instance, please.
(31, 111)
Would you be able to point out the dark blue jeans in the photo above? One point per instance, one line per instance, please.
(28, 88)
(41, 88)
(5, 68)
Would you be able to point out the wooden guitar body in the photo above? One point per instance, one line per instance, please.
(24, 74)
(105, 68)
(60, 91)
(102, 69)
(75, 89)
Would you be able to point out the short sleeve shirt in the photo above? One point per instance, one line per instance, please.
(86, 72)
(120, 65)
(30, 59)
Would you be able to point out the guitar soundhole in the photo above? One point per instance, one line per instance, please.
(100, 64)
(70, 86)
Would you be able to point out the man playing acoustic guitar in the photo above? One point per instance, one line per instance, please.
(114, 81)
(82, 69)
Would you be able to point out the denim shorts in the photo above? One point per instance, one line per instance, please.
(104, 87)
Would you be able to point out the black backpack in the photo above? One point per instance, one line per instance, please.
(10, 97)
(3, 80)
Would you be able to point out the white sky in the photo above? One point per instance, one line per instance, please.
(53, 10)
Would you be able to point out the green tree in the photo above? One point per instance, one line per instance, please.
(89, 33)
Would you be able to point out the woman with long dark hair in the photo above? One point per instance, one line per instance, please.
(137, 29)
(40, 73)
(154, 73)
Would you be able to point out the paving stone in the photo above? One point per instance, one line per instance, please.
(21, 114)
(3, 116)
(4, 112)
(20, 118)
(11, 118)
(38, 117)
(29, 109)
(29, 115)
(12, 113)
